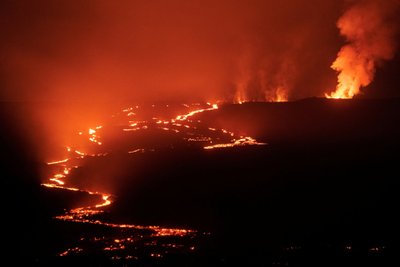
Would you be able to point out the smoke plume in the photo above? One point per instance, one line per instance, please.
(200, 50)
(370, 30)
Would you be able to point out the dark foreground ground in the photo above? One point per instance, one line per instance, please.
(324, 192)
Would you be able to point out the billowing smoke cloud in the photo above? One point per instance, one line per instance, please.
(370, 29)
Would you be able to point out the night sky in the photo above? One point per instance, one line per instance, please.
(173, 50)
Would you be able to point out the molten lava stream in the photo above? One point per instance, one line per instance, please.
(181, 125)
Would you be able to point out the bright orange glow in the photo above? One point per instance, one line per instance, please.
(278, 95)
(239, 142)
(61, 187)
(57, 162)
(74, 250)
(130, 129)
(241, 88)
(93, 135)
(105, 203)
(351, 75)
(370, 39)
(190, 114)
(127, 109)
(80, 153)
(57, 181)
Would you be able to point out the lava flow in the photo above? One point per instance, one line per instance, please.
(129, 121)
(87, 215)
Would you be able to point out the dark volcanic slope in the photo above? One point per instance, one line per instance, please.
(328, 176)
(327, 179)
(314, 120)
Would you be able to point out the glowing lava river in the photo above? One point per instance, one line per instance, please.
(128, 241)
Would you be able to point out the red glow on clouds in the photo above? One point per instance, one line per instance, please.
(100, 54)
(174, 50)
(166, 50)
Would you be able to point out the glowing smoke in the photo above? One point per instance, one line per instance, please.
(100, 51)
(186, 51)
(370, 31)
